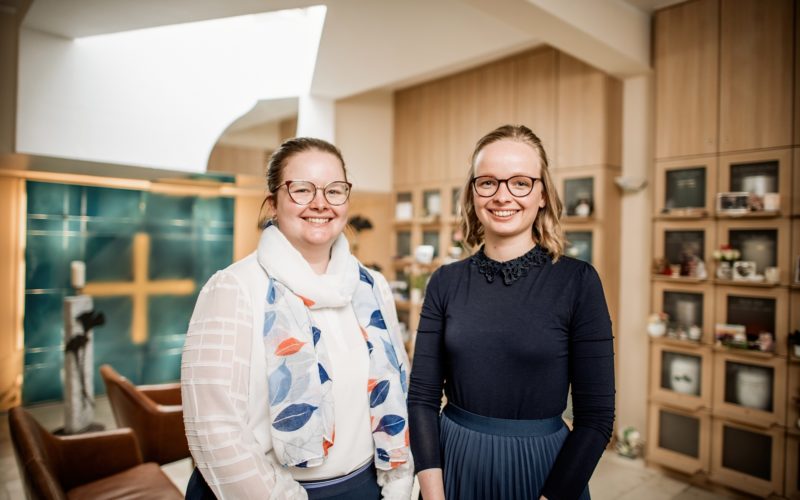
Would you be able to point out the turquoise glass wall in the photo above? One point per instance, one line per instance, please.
(190, 238)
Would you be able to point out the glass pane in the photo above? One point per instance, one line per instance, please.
(579, 196)
(579, 245)
(684, 309)
(431, 238)
(679, 245)
(749, 385)
(756, 178)
(686, 188)
(757, 245)
(403, 243)
(747, 452)
(456, 208)
(681, 373)
(757, 314)
(403, 209)
(432, 202)
(679, 433)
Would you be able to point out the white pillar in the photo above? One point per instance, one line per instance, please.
(316, 117)
(635, 256)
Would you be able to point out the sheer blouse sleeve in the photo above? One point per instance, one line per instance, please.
(215, 381)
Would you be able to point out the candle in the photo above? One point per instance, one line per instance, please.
(78, 274)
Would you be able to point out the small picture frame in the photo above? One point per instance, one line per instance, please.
(744, 270)
(733, 203)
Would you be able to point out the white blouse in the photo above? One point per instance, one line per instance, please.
(225, 392)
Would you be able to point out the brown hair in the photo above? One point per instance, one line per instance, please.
(546, 228)
(281, 156)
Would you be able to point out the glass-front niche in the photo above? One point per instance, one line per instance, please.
(747, 452)
(679, 433)
(685, 188)
(579, 196)
(681, 373)
(579, 245)
(756, 245)
(749, 386)
(681, 246)
(685, 312)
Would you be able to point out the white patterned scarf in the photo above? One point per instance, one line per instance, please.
(300, 387)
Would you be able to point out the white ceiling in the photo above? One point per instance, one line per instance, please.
(366, 44)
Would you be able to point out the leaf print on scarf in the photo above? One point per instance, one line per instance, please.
(306, 301)
(403, 379)
(289, 347)
(271, 292)
(315, 334)
(327, 444)
(391, 424)
(371, 383)
(279, 384)
(269, 321)
(323, 375)
(391, 355)
(299, 386)
(379, 393)
(293, 417)
(382, 454)
(365, 277)
(376, 320)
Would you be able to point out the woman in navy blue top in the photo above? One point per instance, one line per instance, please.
(505, 333)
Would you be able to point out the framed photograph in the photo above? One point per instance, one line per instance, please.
(732, 203)
(744, 270)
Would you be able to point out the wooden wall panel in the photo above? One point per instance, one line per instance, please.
(686, 51)
(756, 40)
(463, 123)
(237, 160)
(496, 95)
(536, 95)
(583, 114)
(12, 215)
(372, 243)
(797, 75)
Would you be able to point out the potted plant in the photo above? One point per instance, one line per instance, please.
(725, 257)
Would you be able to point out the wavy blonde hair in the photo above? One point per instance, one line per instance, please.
(546, 227)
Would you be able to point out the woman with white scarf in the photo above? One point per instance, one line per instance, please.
(294, 377)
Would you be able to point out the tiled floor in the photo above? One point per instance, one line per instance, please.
(616, 478)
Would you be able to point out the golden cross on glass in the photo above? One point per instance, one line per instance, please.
(141, 287)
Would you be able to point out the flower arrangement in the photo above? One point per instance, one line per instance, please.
(726, 253)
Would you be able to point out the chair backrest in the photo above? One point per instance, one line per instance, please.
(127, 403)
(37, 456)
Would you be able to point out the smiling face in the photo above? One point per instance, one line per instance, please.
(311, 228)
(508, 219)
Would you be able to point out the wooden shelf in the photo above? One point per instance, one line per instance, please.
(757, 284)
(763, 214)
(678, 279)
(685, 214)
(567, 219)
(672, 341)
(746, 352)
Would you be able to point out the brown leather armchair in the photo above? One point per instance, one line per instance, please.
(95, 465)
(154, 412)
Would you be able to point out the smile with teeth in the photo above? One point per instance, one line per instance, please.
(503, 213)
(317, 220)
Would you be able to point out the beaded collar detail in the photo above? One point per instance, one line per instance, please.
(513, 269)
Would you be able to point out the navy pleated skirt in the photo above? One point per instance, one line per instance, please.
(493, 458)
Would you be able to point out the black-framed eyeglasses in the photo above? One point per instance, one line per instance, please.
(303, 192)
(519, 185)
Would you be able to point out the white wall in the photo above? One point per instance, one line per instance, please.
(364, 133)
(158, 97)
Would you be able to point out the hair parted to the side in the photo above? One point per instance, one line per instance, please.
(547, 231)
(280, 157)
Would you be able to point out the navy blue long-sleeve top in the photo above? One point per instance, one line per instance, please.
(506, 340)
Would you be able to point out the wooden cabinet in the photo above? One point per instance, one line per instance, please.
(756, 40)
(750, 388)
(686, 52)
(680, 374)
(687, 305)
(758, 309)
(792, 467)
(759, 172)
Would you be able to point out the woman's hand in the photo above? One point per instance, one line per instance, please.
(431, 484)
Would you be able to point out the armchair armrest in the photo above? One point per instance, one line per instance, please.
(163, 394)
(86, 458)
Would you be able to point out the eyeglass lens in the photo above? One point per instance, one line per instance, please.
(303, 192)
